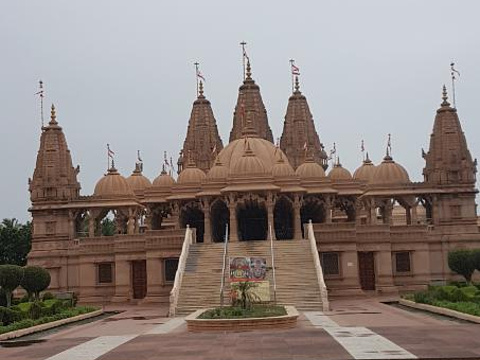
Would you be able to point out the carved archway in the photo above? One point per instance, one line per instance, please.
(191, 214)
(220, 217)
(252, 219)
(313, 208)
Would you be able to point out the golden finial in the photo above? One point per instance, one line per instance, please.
(297, 84)
(200, 90)
(249, 69)
(53, 116)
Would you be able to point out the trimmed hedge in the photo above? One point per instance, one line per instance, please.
(25, 323)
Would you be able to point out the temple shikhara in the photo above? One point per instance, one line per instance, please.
(323, 230)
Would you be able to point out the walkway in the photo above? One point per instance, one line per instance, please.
(362, 329)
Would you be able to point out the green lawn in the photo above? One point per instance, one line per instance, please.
(231, 312)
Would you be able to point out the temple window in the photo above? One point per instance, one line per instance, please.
(105, 273)
(171, 266)
(330, 262)
(402, 262)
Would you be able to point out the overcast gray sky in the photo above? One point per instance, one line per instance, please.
(121, 72)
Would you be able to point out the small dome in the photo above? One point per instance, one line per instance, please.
(282, 168)
(389, 172)
(339, 173)
(164, 180)
(112, 185)
(248, 164)
(366, 171)
(191, 174)
(137, 181)
(218, 171)
(310, 170)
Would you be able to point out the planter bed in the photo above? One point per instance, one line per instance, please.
(48, 325)
(194, 324)
(441, 311)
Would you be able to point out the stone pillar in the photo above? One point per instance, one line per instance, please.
(388, 213)
(373, 213)
(408, 214)
(71, 224)
(154, 278)
(122, 281)
(131, 225)
(91, 224)
(358, 212)
(233, 219)
(207, 236)
(328, 209)
(297, 218)
(414, 214)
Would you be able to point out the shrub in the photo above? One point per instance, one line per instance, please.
(35, 280)
(10, 315)
(422, 297)
(462, 262)
(36, 310)
(444, 292)
(10, 277)
(48, 296)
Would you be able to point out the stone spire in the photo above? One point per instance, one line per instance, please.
(299, 130)
(448, 160)
(54, 178)
(202, 140)
(250, 103)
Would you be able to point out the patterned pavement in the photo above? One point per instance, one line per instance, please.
(354, 329)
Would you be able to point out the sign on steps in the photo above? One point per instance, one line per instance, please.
(251, 269)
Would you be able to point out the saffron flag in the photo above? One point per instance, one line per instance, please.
(110, 152)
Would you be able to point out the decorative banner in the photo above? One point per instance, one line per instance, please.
(248, 269)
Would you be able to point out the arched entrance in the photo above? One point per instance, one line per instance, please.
(252, 221)
(220, 217)
(192, 215)
(283, 219)
(312, 209)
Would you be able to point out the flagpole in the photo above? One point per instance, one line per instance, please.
(291, 72)
(108, 156)
(243, 43)
(452, 72)
(196, 74)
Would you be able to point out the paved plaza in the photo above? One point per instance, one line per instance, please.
(353, 329)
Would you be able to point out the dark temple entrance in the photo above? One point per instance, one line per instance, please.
(220, 217)
(252, 221)
(139, 279)
(366, 270)
(312, 209)
(192, 215)
(283, 219)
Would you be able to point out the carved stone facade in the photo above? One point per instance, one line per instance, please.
(375, 230)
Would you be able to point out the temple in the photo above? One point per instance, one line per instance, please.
(325, 231)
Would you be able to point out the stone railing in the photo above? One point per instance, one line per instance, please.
(182, 262)
(318, 266)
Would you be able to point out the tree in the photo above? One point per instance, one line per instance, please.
(108, 227)
(10, 278)
(462, 262)
(15, 242)
(35, 280)
(476, 258)
(247, 296)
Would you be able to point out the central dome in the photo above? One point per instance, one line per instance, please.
(263, 150)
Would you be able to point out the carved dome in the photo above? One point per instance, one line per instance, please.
(191, 175)
(249, 164)
(310, 170)
(112, 185)
(263, 150)
(366, 171)
(137, 181)
(339, 173)
(389, 172)
(282, 168)
(164, 180)
(218, 171)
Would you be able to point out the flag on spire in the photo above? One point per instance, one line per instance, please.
(110, 152)
(362, 146)
(165, 160)
(295, 69)
(454, 71)
(200, 75)
(138, 156)
(389, 145)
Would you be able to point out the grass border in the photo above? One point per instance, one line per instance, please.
(441, 311)
(48, 325)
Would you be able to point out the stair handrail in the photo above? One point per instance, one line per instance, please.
(318, 267)
(224, 267)
(273, 266)
(182, 262)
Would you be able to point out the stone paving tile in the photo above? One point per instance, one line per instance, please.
(40, 350)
